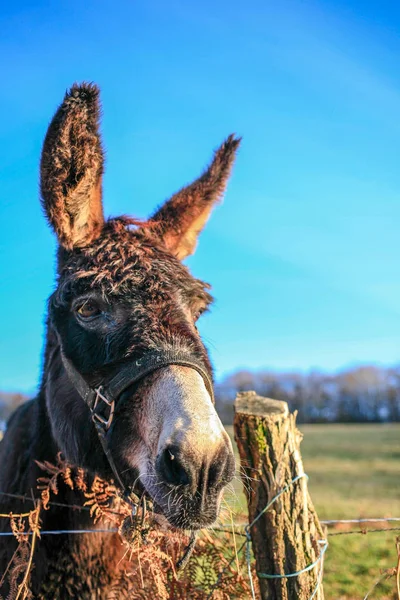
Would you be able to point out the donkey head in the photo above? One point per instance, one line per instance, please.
(122, 292)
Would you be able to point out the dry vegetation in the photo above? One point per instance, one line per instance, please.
(354, 472)
(151, 556)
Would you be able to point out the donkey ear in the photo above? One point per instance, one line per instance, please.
(71, 168)
(180, 220)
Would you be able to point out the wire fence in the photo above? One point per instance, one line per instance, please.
(241, 530)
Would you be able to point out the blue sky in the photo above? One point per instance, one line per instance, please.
(303, 255)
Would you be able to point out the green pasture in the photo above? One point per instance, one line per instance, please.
(354, 472)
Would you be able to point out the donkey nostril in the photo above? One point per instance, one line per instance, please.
(171, 469)
(222, 469)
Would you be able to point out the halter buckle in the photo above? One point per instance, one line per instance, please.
(101, 418)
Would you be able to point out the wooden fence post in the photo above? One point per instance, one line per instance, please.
(286, 537)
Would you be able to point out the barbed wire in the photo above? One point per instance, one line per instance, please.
(222, 528)
(365, 531)
(227, 528)
(239, 533)
(239, 528)
(59, 531)
(356, 521)
(25, 498)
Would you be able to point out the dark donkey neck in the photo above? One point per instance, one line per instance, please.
(88, 563)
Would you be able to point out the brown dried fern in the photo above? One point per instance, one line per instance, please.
(105, 503)
(26, 529)
(148, 566)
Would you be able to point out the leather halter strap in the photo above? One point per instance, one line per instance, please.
(103, 397)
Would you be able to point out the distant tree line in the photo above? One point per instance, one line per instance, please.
(360, 394)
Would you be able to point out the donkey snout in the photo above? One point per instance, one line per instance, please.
(193, 459)
(197, 473)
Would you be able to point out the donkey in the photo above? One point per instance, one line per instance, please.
(126, 391)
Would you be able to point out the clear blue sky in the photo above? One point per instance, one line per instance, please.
(303, 255)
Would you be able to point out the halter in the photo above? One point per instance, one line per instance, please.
(102, 399)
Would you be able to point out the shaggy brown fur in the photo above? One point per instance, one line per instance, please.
(143, 299)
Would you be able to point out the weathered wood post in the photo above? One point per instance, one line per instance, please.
(286, 537)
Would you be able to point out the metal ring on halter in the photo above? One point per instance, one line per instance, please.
(96, 416)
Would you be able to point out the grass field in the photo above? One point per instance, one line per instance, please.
(354, 472)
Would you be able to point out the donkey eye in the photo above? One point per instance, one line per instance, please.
(88, 310)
